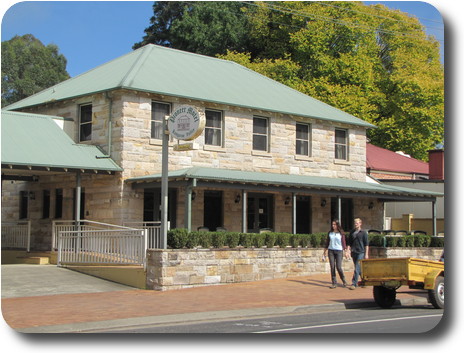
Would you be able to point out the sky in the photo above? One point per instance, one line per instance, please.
(91, 33)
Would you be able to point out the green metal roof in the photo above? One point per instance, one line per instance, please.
(35, 141)
(303, 182)
(182, 74)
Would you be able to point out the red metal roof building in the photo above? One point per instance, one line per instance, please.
(385, 164)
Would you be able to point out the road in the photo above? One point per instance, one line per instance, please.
(397, 320)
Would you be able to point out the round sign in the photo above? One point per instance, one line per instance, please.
(185, 123)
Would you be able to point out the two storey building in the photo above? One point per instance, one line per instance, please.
(270, 157)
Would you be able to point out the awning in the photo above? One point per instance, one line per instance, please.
(302, 184)
(35, 144)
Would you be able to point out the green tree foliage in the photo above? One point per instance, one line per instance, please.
(372, 62)
(202, 27)
(29, 67)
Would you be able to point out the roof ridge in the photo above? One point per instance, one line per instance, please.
(132, 72)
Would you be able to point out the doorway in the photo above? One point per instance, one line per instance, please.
(212, 214)
(346, 217)
(152, 206)
(303, 215)
(260, 209)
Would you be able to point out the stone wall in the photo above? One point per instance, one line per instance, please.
(176, 269)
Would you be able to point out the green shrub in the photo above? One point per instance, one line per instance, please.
(391, 241)
(233, 239)
(437, 242)
(193, 240)
(283, 239)
(204, 239)
(218, 239)
(409, 241)
(376, 240)
(422, 241)
(259, 240)
(270, 239)
(315, 240)
(246, 240)
(177, 238)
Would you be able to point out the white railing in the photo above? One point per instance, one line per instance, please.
(105, 246)
(153, 232)
(83, 225)
(16, 235)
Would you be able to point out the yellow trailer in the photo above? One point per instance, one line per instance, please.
(387, 275)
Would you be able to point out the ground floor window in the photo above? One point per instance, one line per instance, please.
(23, 204)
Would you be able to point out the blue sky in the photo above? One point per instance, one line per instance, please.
(91, 33)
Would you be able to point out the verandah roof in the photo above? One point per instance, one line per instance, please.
(212, 177)
(34, 142)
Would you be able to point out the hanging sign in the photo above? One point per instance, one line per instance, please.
(186, 123)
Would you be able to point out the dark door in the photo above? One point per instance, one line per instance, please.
(303, 214)
(346, 217)
(212, 216)
(152, 206)
(259, 212)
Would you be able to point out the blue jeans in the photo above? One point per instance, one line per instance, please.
(356, 256)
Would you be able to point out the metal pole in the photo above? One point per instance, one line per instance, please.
(244, 211)
(434, 217)
(294, 213)
(164, 185)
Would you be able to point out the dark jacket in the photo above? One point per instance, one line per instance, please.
(358, 241)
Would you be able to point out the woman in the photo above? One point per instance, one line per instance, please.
(336, 246)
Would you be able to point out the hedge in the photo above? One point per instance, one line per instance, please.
(182, 238)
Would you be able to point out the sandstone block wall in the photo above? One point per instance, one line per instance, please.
(176, 269)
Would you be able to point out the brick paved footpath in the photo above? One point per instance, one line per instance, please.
(26, 312)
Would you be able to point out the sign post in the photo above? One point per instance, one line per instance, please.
(185, 123)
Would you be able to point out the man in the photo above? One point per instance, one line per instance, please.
(358, 246)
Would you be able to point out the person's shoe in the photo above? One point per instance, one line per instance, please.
(351, 287)
(344, 284)
(333, 286)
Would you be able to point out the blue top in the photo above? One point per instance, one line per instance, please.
(335, 241)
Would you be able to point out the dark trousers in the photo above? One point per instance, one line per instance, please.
(335, 260)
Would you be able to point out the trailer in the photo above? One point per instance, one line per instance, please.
(387, 275)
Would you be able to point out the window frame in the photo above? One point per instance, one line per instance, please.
(337, 145)
(258, 134)
(157, 124)
(85, 124)
(213, 128)
(308, 140)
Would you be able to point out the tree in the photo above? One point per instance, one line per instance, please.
(370, 61)
(29, 67)
(203, 27)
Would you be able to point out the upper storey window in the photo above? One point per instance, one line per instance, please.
(341, 144)
(213, 128)
(85, 122)
(303, 139)
(260, 134)
(158, 113)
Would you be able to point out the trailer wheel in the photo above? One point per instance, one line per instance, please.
(384, 297)
(437, 295)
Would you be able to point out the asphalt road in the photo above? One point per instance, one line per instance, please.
(397, 320)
